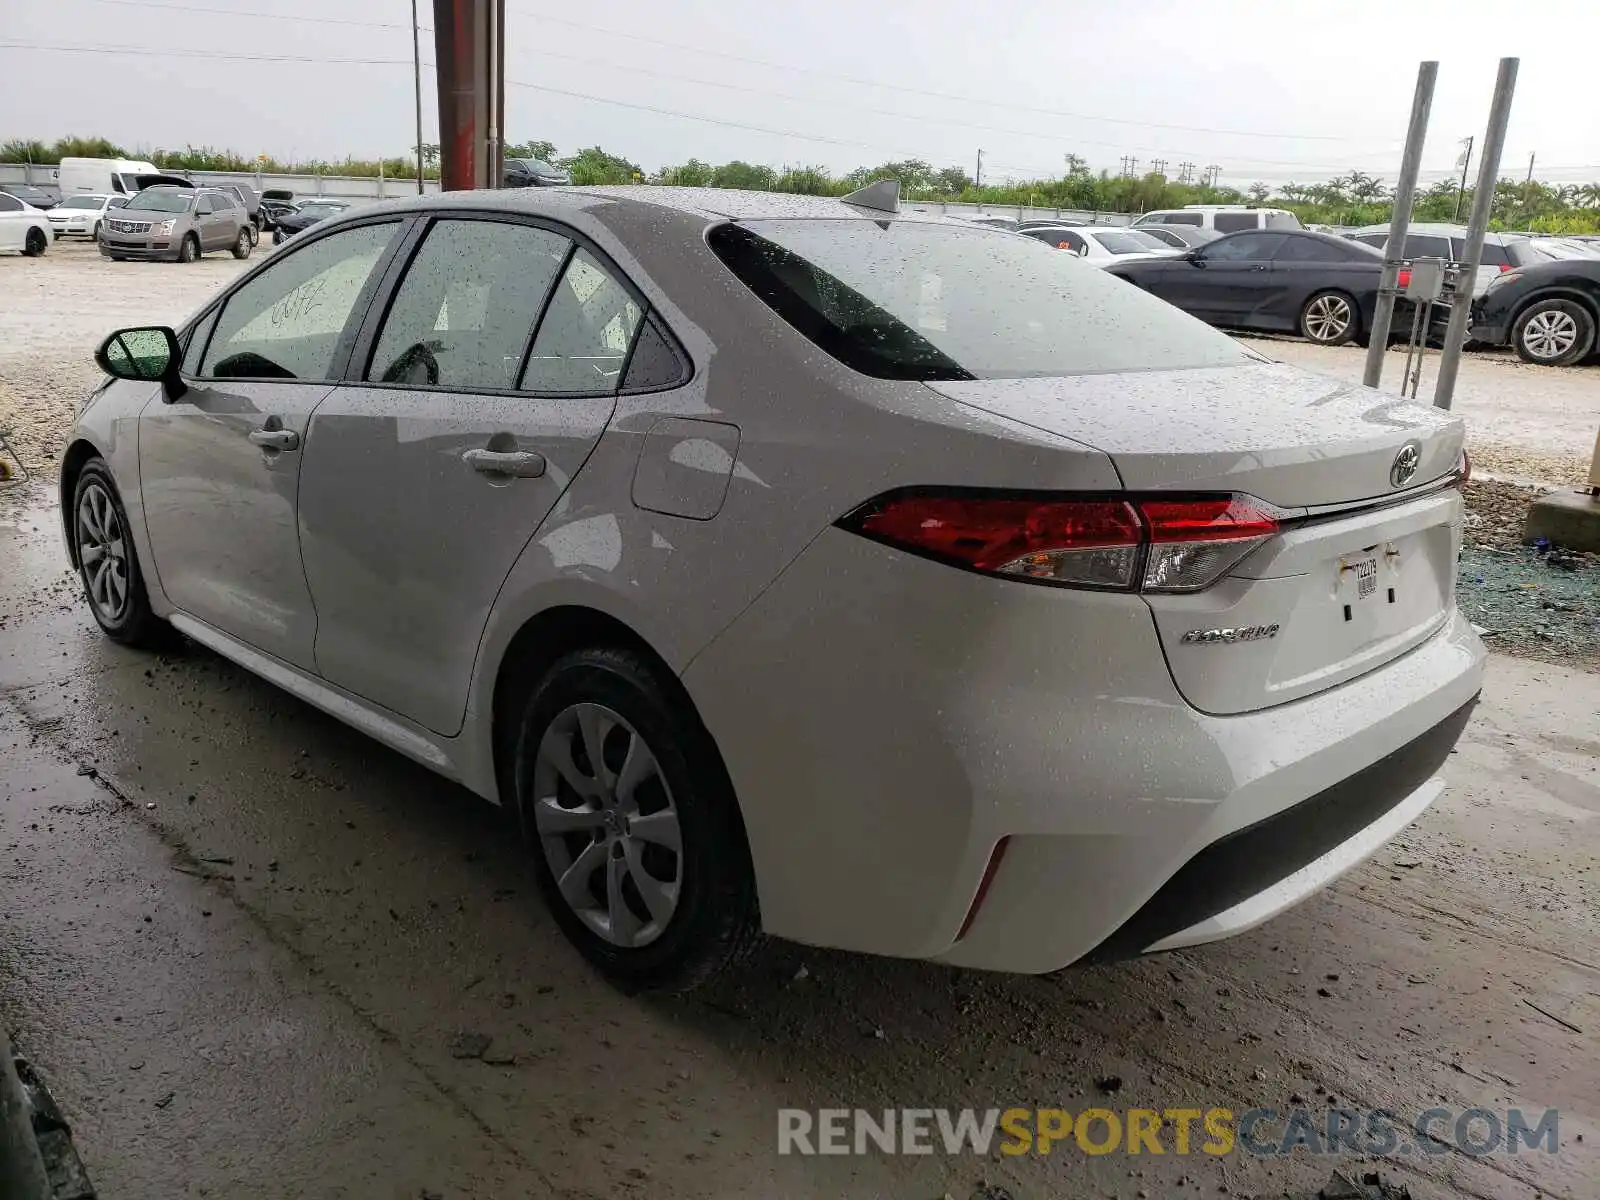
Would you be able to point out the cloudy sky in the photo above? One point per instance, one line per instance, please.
(1282, 90)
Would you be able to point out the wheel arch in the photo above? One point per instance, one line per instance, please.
(549, 635)
(72, 463)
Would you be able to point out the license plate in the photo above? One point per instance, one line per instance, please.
(1358, 586)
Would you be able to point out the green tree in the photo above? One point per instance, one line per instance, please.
(19, 151)
(950, 181)
(808, 181)
(693, 173)
(738, 174)
(80, 147)
(594, 166)
(543, 151)
(1258, 193)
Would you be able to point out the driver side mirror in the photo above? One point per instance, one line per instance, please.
(1195, 256)
(149, 354)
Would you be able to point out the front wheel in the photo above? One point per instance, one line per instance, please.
(1554, 333)
(632, 823)
(189, 249)
(1329, 319)
(243, 244)
(108, 563)
(35, 243)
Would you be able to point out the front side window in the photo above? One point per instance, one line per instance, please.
(465, 310)
(286, 322)
(9, 203)
(586, 333)
(160, 200)
(203, 207)
(1247, 247)
(914, 300)
(1233, 222)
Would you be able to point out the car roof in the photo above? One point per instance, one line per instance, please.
(1431, 228)
(708, 203)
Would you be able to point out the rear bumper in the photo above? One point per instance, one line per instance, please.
(887, 721)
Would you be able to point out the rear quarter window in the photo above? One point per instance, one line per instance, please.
(1233, 222)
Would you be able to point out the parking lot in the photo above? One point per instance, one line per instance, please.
(241, 933)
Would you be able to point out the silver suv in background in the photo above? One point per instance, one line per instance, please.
(175, 224)
(1223, 218)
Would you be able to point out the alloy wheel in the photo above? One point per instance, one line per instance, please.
(608, 825)
(103, 553)
(1550, 334)
(1327, 318)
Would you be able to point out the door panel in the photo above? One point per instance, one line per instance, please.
(220, 510)
(422, 487)
(220, 467)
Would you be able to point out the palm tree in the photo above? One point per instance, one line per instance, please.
(1258, 192)
(1591, 195)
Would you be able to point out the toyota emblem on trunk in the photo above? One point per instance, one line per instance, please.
(1405, 464)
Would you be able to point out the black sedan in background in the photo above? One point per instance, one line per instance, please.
(1547, 312)
(1290, 281)
(28, 194)
(1180, 237)
(286, 225)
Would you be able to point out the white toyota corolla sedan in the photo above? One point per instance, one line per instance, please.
(799, 565)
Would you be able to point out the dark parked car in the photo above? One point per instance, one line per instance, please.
(1547, 312)
(275, 202)
(532, 172)
(28, 194)
(1318, 285)
(304, 217)
(249, 199)
(1181, 237)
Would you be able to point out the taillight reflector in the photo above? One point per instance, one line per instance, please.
(1404, 279)
(1151, 544)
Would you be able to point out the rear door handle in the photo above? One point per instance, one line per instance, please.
(524, 464)
(275, 439)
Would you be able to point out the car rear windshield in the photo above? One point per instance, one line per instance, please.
(160, 201)
(913, 300)
(1130, 241)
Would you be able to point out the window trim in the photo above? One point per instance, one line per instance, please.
(341, 350)
(366, 341)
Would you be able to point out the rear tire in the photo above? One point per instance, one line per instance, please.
(1329, 319)
(588, 838)
(35, 243)
(108, 564)
(189, 250)
(243, 244)
(1554, 333)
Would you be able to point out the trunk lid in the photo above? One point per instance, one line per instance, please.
(1364, 568)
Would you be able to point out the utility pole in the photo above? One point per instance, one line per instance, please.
(1527, 195)
(1158, 166)
(416, 66)
(1186, 172)
(1494, 140)
(1466, 158)
(1405, 193)
(977, 180)
(1212, 172)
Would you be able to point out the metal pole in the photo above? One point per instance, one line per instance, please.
(1400, 223)
(1461, 191)
(1494, 140)
(416, 66)
(1527, 195)
(977, 180)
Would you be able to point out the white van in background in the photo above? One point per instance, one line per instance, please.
(110, 176)
(1223, 218)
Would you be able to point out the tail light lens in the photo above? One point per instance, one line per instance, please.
(1504, 267)
(1404, 280)
(1157, 544)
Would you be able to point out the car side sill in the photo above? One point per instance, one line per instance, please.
(387, 728)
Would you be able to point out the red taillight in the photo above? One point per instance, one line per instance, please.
(1404, 280)
(1504, 267)
(1150, 544)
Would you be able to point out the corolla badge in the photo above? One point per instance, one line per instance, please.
(1405, 464)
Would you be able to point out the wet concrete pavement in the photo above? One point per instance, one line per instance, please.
(242, 941)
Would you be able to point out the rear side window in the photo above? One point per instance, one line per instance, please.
(1494, 254)
(1424, 245)
(585, 335)
(655, 363)
(1233, 222)
(1310, 250)
(1247, 247)
(1375, 240)
(914, 300)
(1180, 218)
(466, 308)
(1283, 220)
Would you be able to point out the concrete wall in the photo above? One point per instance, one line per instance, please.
(355, 188)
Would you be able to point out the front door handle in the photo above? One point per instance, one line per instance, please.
(1260, 267)
(275, 439)
(524, 464)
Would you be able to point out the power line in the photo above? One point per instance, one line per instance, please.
(263, 16)
(894, 87)
(170, 52)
